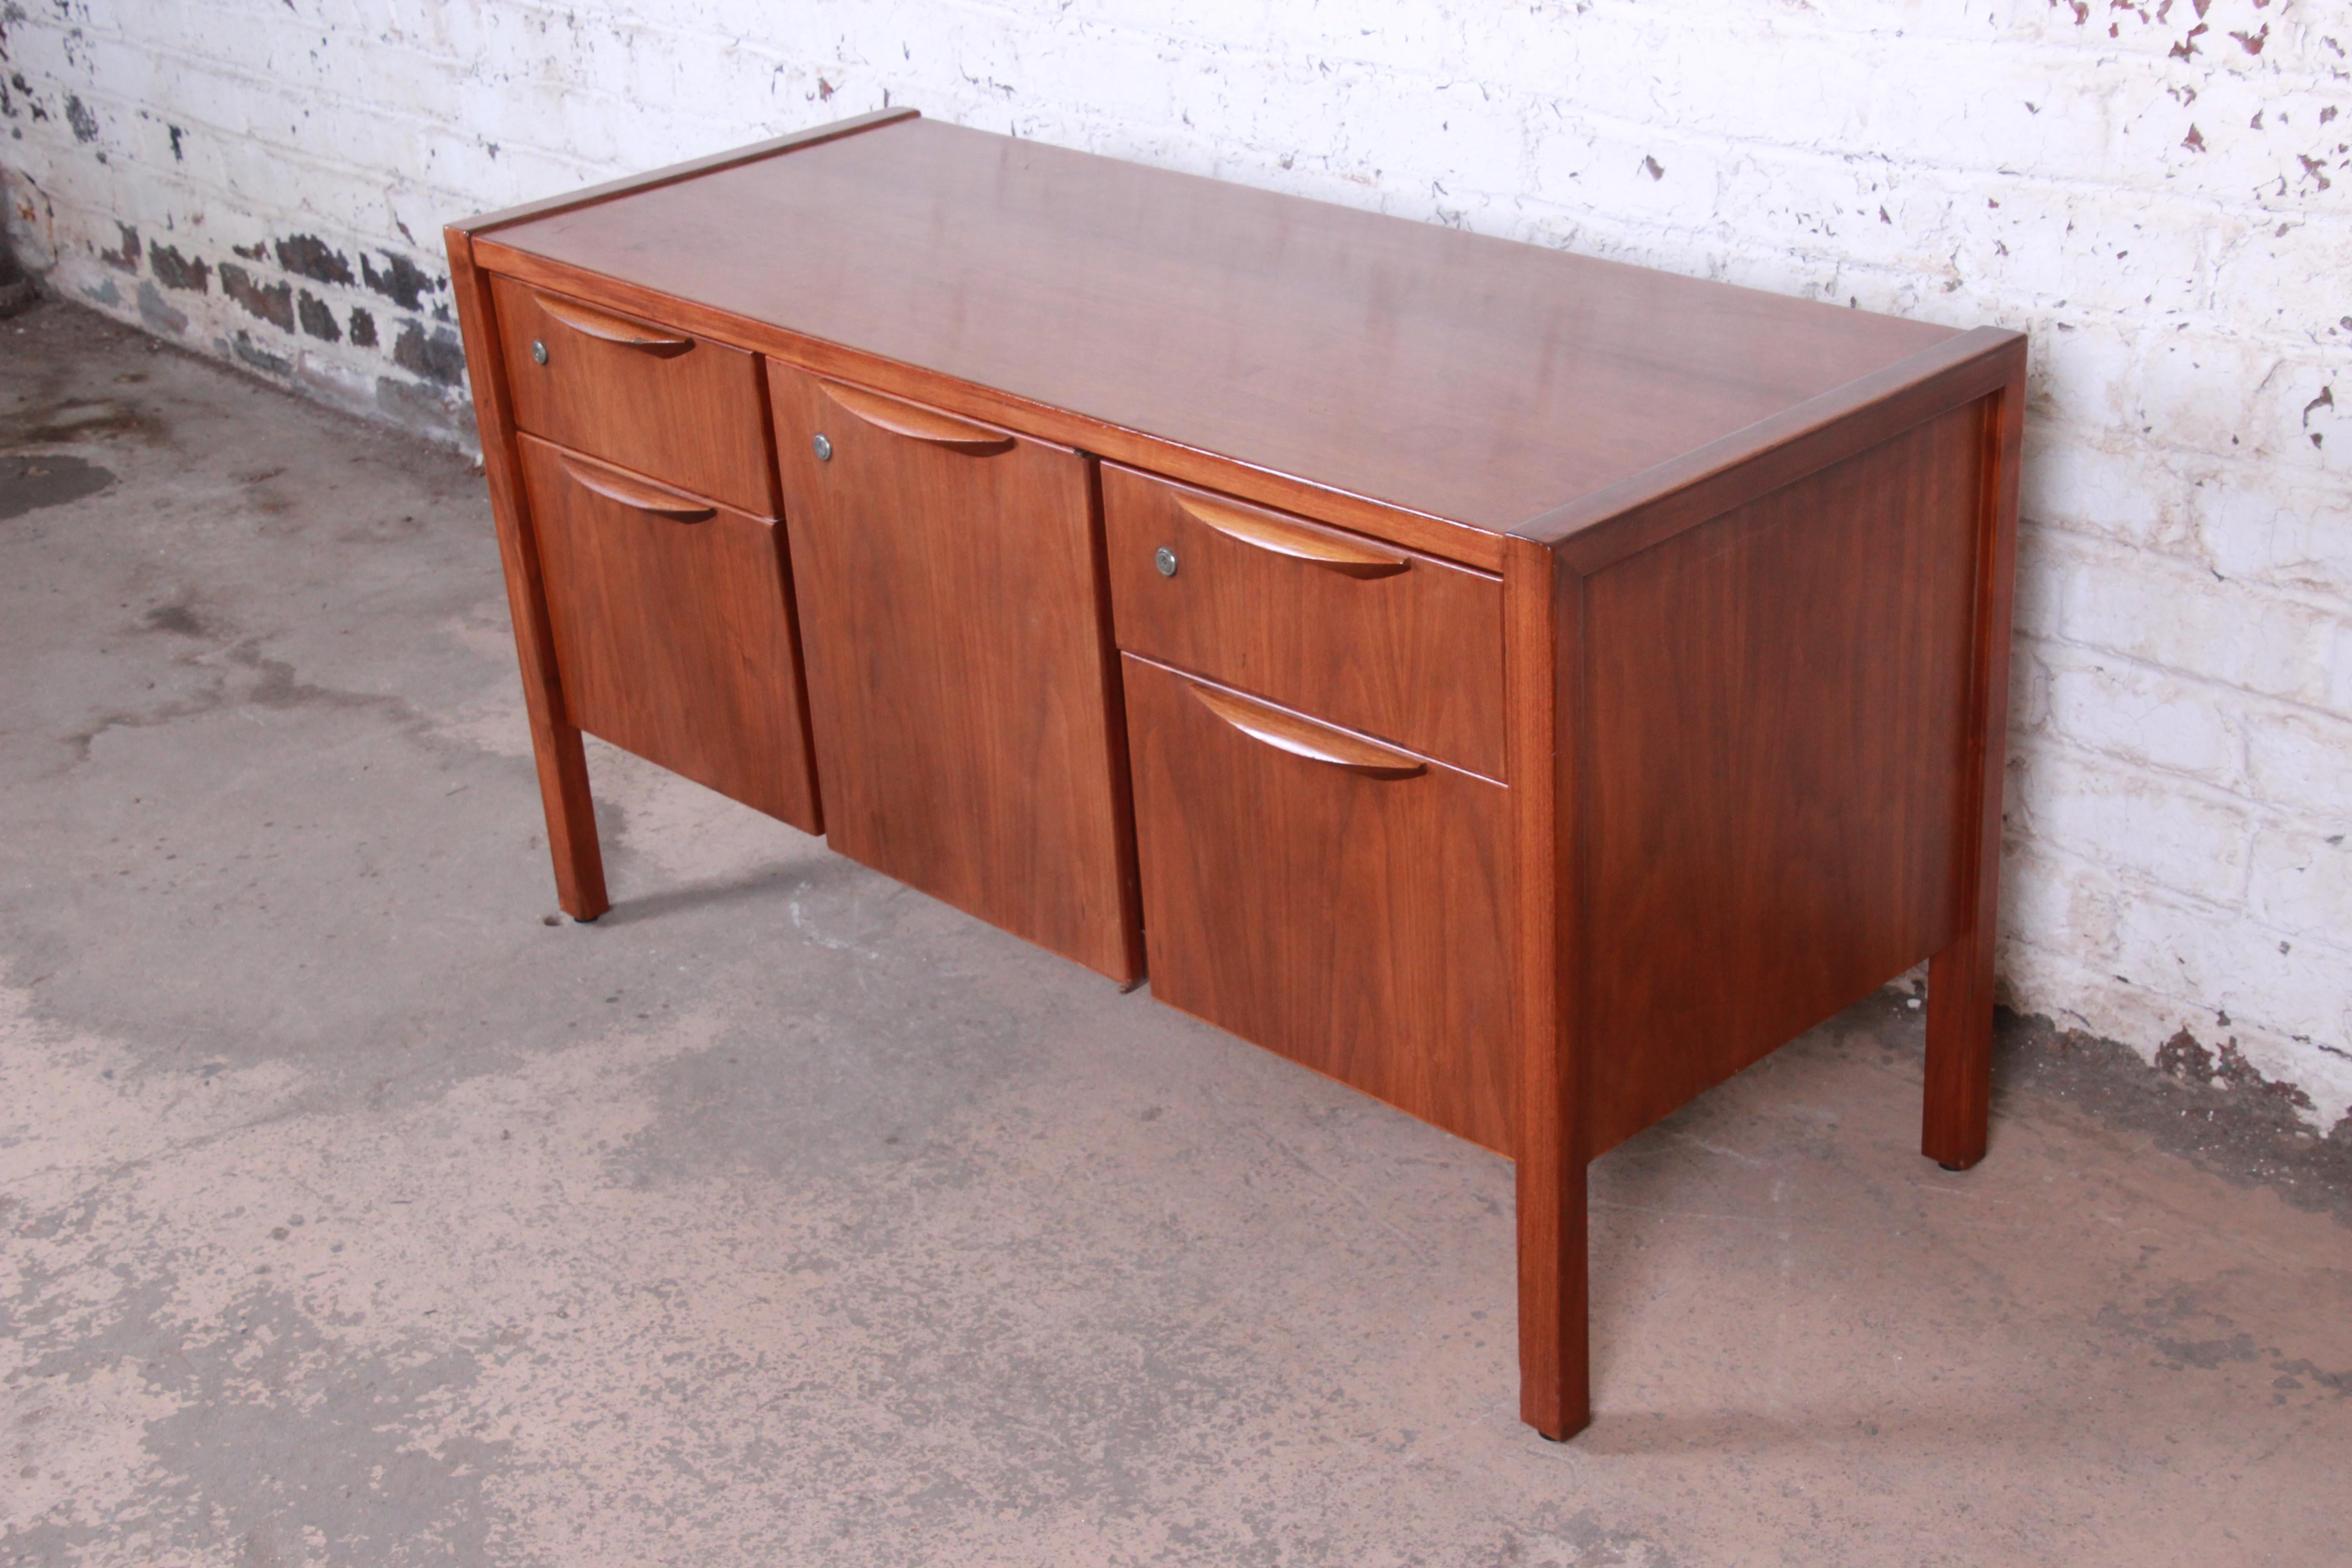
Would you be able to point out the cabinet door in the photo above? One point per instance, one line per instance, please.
(960, 687)
(1327, 897)
(673, 623)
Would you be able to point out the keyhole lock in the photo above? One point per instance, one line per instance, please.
(538, 351)
(1165, 559)
(823, 449)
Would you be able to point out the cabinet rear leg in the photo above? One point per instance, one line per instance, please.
(1960, 978)
(1555, 1348)
(1953, 1126)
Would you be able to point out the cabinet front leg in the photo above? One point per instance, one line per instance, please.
(1545, 675)
(554, 742)
(1555, 1350)
(570, 817)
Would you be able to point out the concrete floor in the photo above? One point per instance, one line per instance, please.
(358, 1210)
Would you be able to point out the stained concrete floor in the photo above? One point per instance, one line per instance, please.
(357, 1210)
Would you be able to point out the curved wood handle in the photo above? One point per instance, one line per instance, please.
(613, 329)
(1294, 539)
(1304, 737)
(637, 495)
(917, 423)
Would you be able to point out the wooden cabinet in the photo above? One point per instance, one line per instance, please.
(1547, 686)
(959, 669)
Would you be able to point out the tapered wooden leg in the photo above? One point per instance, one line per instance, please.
(570, 819)
(562, 762)
(562, 765)
(1555, 1350)
(1955, 1121)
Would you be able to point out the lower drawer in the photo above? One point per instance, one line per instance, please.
(674, 633)
(1327, 896)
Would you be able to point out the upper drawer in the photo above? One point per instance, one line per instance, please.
(1351, 629)
(662, 402)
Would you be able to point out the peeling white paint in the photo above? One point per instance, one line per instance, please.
(2161, 194)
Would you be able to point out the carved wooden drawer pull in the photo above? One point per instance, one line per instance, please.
(1301, 738)
(637, 494)
(614, 329)
(1341, 555)
(918, 424)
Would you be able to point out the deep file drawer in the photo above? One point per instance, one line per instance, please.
(1338, 902)
(679, 408)
(673, 624)
(1398, 644)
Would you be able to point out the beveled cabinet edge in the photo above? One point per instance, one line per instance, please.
(1655, 505)
(670, 174)
(1171, 459)
(1588, 532)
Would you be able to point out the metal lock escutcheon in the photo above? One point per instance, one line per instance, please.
(539, 351)
(823, 447)
(1165, 559)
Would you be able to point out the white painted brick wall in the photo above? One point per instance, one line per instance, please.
(2160, 193)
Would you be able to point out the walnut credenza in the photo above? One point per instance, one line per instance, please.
(1529, 688)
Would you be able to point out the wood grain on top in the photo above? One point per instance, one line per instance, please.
(1476, 379)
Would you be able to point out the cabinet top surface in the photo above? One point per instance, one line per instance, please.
(1476, 379)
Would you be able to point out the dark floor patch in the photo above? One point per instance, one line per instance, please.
(809, 1087)
(30, 483)
(2185, 1332)
(276, 686)
(76, 419)
(180, 620)
(2245, 1134)
(289, 1443)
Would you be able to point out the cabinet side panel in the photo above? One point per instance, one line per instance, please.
(1778, 709)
